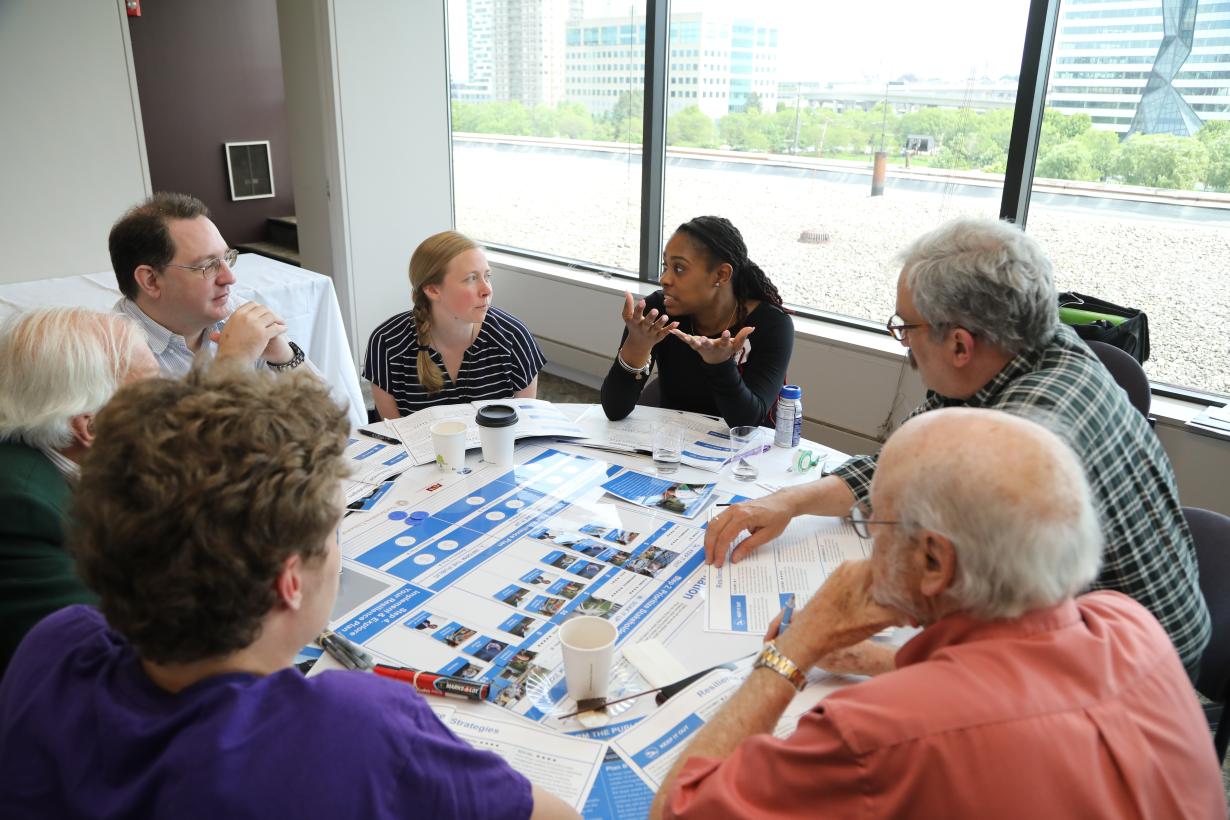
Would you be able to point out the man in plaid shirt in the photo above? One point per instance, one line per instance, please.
(976, 306)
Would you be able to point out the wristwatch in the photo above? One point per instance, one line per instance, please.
(770, 658)
(294, 362)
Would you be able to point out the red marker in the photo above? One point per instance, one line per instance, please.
(430, 683)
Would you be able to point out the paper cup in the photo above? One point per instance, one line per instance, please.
(449, 440)
(497, 430)
(587, 643)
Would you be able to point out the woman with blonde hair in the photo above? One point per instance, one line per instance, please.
(453, 346)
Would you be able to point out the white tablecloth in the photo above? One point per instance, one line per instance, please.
(306, 301)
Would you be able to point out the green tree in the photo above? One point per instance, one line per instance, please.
(1213, 130)
(740, 132)
(751, 102)
(1068, 160)
(1163, 161)
(542, 121)
(1103, 148)
(1218, 175)
(572, 121)
(465, 117)
(690, 128)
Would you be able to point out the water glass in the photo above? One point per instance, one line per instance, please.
(667, 448)
(744, 449)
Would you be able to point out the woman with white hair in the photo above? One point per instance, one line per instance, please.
(58, 367)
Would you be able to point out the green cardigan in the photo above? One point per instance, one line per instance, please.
(36, 572)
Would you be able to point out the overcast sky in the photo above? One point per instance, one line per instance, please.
(827, 41)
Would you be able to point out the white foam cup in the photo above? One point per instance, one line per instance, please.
(587, 643)
(449, 440)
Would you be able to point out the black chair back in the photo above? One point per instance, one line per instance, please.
(1211, 534)
(1127, 373)
(651, 395)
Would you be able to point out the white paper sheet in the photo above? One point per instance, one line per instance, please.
(707, 444)
(745, 597)
(565, 766)
(535, 418)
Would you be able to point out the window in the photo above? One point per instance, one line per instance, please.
(787, 152)
(546, 111)
(1135, 209)
(778, 113)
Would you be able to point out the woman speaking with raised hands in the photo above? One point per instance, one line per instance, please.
(716, 332)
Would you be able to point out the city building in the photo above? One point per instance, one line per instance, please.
(526, 47)
(718, 63)
(1143, 66)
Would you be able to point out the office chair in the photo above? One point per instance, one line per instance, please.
(1211, 534)
(651, 394)
(1127, 373)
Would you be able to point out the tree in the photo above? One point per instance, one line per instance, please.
(1068, 160)
(751, 102)
(691, 128)
(739, 131)
(1213, 130)
(1218, 175)
(1163, 161)
(572, 121)
(1103, 148)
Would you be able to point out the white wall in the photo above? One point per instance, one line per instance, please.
(373, 75)
(856, 386)
(73, 150)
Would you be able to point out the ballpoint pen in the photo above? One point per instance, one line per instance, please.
(786, 614)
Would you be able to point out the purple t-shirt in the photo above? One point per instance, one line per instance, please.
(85, 733)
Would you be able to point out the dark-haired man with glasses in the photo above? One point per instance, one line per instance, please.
(977, 309)
(176, 272)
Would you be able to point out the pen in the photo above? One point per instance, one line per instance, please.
(365, 660)
(786, 613)
(378, 436)
(430, 683)
(336, 652)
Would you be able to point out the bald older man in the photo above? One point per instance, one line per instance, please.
(1016, 699)
(58, 367)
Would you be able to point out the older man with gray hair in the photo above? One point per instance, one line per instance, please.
(1017, 699)
(977, 308)
(58, 367)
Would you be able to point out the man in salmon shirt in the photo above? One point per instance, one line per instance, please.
(1019, 698)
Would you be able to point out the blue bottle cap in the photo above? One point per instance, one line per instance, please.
(791, 391)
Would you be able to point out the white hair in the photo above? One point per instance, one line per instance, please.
(1015, 552)
(988, 277)
(57, 363)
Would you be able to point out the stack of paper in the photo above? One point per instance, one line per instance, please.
(535, 417)
(706, 439)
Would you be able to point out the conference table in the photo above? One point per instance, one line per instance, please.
(470, 574)
(306, 301)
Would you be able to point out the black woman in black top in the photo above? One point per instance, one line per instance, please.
(716, 332)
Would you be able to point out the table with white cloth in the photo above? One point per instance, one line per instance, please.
(468, 575)
(306, 301)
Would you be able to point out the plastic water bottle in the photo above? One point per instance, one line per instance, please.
(789, 428)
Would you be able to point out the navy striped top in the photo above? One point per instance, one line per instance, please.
(503, 359)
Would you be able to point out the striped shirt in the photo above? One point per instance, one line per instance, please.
(1149, 553)
(502, 360)
(171, 350)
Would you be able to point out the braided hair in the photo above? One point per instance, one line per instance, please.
(428, 265)
(723, 242)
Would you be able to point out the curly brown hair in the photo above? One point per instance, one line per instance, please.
(193, 496)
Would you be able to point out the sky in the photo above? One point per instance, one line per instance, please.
(852, 41)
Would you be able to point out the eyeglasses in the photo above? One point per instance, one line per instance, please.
(897, 327)
(860, 517)
(213, 267)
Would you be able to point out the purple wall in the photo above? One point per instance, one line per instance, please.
(210, 73)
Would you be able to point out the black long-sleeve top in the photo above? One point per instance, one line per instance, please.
(742, 390)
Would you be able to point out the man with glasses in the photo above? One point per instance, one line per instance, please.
(977, 309)
(176, 273)
(1019, 698)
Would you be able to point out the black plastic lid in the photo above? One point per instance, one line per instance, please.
(496, 415)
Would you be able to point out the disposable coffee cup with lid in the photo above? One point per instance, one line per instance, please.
(497, 426)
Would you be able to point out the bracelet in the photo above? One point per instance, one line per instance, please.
(294, 362)
(639, 372)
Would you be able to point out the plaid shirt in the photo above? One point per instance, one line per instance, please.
(1149, 553)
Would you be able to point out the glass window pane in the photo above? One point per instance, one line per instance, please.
(1130, 187)
(547, 105)
(777, 120)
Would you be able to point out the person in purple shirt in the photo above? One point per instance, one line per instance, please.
(206, 523)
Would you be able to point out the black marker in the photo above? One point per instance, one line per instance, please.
(379, 436)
